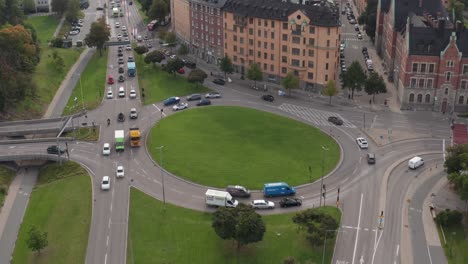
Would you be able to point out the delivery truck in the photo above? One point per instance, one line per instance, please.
(131, 69)
(278, 189)
(115, 11)
(219, 198)
(134, 137)
(119, 140)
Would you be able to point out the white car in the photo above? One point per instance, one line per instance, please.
(173, 56)
(133, 113)
(117, 24)
(105, 183)
(121, 91)
(74, 32)
(128, 47)
(132, 93)
(119, 37)
(126, 39)
(362, 142)
(262, 204)
(109, 95)
(180, 106)
(139, 38)
(213, 95)
(124, 28)
(120, 172)
(106, 149)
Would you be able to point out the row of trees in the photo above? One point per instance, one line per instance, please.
(156, 9)
(457, 169)
(69, 8)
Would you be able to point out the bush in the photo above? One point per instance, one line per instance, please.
(140, 49)
(449, 218)
(57, 43)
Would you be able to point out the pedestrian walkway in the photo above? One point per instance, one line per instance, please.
(317, 117)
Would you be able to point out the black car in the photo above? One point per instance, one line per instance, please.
(204, 102)
(191, 65)
(121, 69)
(121, 117)
(99, 8)
(120, 54)
(121, 78)
(219, 81)
(287, 202)
(55, 150)
(370, 158)
(268, 97)
(194, 97)
(335, 120)
(364, 49)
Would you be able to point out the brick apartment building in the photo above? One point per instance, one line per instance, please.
(180, 16)
(206, 29)
(426, 54)
(283, 37)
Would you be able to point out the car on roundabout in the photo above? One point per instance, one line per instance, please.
(180, 106)
(213, 95)
(219, 81)
(262, 204)
(54, 149)
(335, 120)
(106, 149)
(133, 113)
(171, 100)
(204, 102)
(268, 97)
(288, 202)
(105, 183)
(194, 97)
(120, 172)
(362, 143)
(121, 117)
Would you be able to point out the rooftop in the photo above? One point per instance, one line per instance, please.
(211, 3)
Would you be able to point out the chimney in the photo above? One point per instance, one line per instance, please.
(420, 3)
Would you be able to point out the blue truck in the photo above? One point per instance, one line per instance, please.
(278, 189)
(131, 69)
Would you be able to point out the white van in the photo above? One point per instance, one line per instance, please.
(415, 163)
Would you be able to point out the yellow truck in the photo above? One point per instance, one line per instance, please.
(134, 137)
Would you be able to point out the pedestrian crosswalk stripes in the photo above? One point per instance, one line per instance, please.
(314, 116)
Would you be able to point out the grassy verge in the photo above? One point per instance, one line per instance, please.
(236, 145)
(6, 176)
(91, 85)
(178, 235)
(457, 243)
(45, 27)
(143, 15)
(60, 205)
(160, 85)
(84, 133)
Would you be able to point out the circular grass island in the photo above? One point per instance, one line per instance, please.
(220, 145)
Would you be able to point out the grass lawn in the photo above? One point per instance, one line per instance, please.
(6, 176)
(92, 84)
(457, 244)
(179, 235)
(45, 27)
(160, 85)
(60, 205)
(84, 133)
(217, 146)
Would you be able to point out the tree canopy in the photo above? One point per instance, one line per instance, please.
(241, 224)
(369, 18)
(374, 84)
(173, 65)
(98, 35)
(37, 240)
(154, 56)
(226, 66)
(290, 82)
(197, 76)
(316, 224)
(354, 78)
(159, 9)
(457, 169)
(254, 73)
(330, 90)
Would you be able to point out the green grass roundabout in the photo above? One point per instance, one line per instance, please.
(218, 146)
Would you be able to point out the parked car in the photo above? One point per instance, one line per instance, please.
(288, 202)
(180, 106)
(219, 81)
(362, 142)
(109, 95)
(105, 183)
(110, 79)
(194, 97)
(117, 24)
(121, 117)
(106, 149)
(268, 97)
(124, 28)
(120, 172)
(131, 59)
(370, 158)
(74, 32)
(262, 204)
(133, 113)
(191, 65)
(99, 8)
(359, 35)
(238, 191)
(204, 102)
(121, 78)
(213, 95)
(139, 38)
(54, 149)
(171, 100)
(132, 94)
(128, 47)
(335, 120)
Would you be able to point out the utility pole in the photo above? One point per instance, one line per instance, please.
(321, 179)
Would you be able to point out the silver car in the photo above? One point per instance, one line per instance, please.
(262, 204)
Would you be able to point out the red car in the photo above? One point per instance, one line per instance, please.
(110, 79)
(181, 71)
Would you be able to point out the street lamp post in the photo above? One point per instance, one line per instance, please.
(325, 242)
(81, 91)
(162, 173)
(321, 179)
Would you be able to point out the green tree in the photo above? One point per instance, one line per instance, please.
(29, 6)
(374, 84)
(254, 73)
(226, 66)
(145, 4)
(173, 65)
(59, 6)
(197, 76)
(369, 18)
(13, 12)
(290, 82)
(449, 218)
(140, 49)
(153, 57)
(183, 49)
(241, 224)
(57, 61)
(98, 35)
(73, 10)
(158, 10)
(457, 158)
(37, 240)
(354, 78)
(162, 34)
(330, 90)
(170, 38)
(456, 8)
(316, 224)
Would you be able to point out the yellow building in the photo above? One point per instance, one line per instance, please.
(283, 37)
(180, 16)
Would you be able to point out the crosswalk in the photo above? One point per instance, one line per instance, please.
(317, 117)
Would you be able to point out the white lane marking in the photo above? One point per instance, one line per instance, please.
(376, 245)
(373, 122)
(105, 259)
(159, 110)
(12, 147)
(176, 191)
(358, 227)
(443, 148)
(111, 207)
(397, 250)
(361, 260)
(429, 254)
(107, 241)
(108, 225)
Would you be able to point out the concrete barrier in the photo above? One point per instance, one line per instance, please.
(35, 140)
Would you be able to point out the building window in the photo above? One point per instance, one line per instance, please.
(411, 98)
(235, 48)
(272, 68)
(311, 53)
(259, 54)
(250, 31)
(251, 20)
(272, 57)
(259, 33)
(461, 99)
(285, 25)
(448, 76)
(272, 46)
(265, 23)
(272, 24)
(295, 63)
(284, 59)
(272, 35)
(328, 43)
(429, 83)
(241, 40)
(265, 67)
(285, 37)
(427, 99)
(431, 67)
(259, 22)
(311, 41)
(242, 51)
(283, 70)
(311, 30)
(421, 83)
(326, 77)
(310, 75)
(465, 69)
(284, 48)
(415, 67)
(296, 40)
(235, 38)
(446, 91)
(423, 67)
(310, 64)
(296, 51)
(450, 63)
(265, 56)
(413, 83)
(235, 58)
(419, 100)
(265, 45)
(251, 42)
(250, 52)
(463, 84)
(326, 67)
